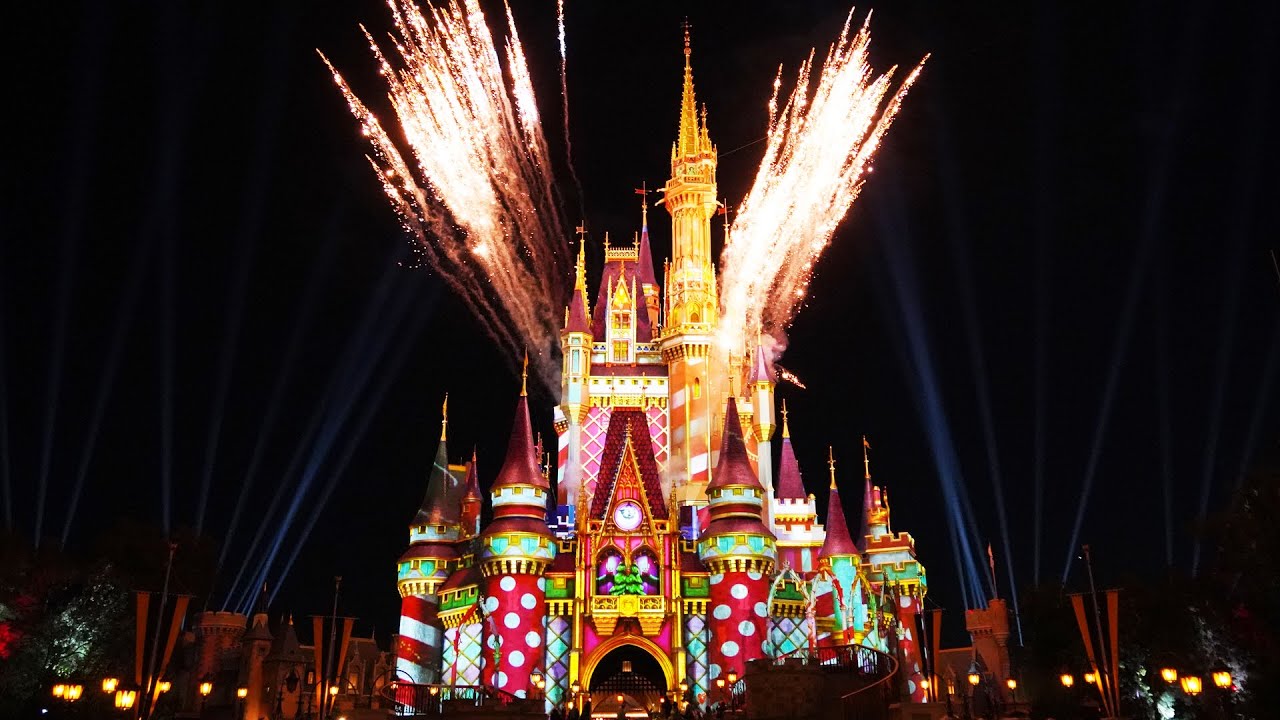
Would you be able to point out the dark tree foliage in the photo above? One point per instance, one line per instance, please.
(72, 619)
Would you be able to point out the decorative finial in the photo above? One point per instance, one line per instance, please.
(786, 429)
(444, 417)
(643, 192)
(866, 459)
(688, 46)
(606, 239)
(831, 465)
(524, 375)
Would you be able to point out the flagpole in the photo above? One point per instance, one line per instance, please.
(333, 633)
(1097, 618)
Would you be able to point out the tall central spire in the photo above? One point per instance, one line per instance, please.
(689, 130)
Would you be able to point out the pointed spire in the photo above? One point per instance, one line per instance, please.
(790, 482)
(521, 464)
(733, 466)
(438, 505)
(837, 541)
(866, 459)
(761, 369)
(577, 312)
(524, 376)
(688, 140)
(471, 487)
(864, 522)
(643, 254)
(444, 418)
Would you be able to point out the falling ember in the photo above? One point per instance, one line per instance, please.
(471, 180)
(788, 376)
(820, 145)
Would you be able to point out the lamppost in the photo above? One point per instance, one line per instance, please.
(974, 678)
(206, 687)
(241, 694)
(720, 687)
(733, 690)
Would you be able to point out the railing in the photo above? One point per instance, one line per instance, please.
(414, 699)
(879, 670)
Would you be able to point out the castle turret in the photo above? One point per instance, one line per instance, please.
(575, 347)
(515, 550)
(644, 267)
(739, 552)
(255, 647)
(840, 557)
(692, 301)
(472, 501)
(760, 385)
(426, 565)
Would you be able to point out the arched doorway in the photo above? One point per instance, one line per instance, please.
(629, 666)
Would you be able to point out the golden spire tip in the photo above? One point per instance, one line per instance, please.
(866, 459)
(444, 417)
(786, 429)
(524, 375)
(831, 464)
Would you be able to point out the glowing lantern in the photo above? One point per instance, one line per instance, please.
(242, 692)
(164, 686)
(619, 698)
(733, 678)
(435, 690)
(1191, 685)
(109, 685)
(126, 698)
(206, 687)
(1222, 679)
(974, 678)
(73, 693)
(924, 684)
(333, 690)
(59, 690)
(1169, 675)
(1091, 678)
(720, 683)
(1011, 683)
(1067, 679)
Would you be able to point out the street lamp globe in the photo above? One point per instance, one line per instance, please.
(1191, 685)
(206, 687)
(974, 678)
(109, 685)
(1067, 679)
(242, 692)
(1011, 683)
(1169, 674)
(1222, 679)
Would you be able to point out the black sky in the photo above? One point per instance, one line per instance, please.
(179, 166)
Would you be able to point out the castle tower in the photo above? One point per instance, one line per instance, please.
(425, 566)
(794, 516)
(739, 552)
(644, 268)
(472, 502)
(255, 647)
(760, 386)
(575, 346)
(515, 550)
(840, 557)
(692, 301)
(894, 573)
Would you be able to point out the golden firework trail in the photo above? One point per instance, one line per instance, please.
(820, 147)
(468, 171)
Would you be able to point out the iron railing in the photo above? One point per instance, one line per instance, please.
(416, 699)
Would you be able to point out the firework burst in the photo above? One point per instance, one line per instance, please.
(820, 147)
(468, 172)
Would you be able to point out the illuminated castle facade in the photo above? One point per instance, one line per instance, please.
(669, 534)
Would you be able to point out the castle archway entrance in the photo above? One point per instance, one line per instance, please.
(630, 666)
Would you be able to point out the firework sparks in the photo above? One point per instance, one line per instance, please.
(471, 181)
(820, 145)
(564, 96)
(788, 376)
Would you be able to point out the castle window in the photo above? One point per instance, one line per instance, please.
(697, 387)
(620, 351)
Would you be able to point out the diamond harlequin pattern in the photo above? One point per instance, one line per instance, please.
(695, 643)
(789, 635)
(559, 638)
(462, 655)
(594, 430)
(658, 431)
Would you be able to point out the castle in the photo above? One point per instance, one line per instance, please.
(670, 542)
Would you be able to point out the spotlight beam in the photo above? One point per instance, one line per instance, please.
(347, 383)
(323, 260)
(372, 405)
(1245, 195)
(272, 101)
(107, 380)
(959, 238)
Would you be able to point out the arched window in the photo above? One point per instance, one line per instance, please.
(645, 565)
(697, 387)
(607, 564)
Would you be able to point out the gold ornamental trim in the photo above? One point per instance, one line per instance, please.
(494, 567)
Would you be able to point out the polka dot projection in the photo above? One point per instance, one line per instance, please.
(518, 604)
(737, 631)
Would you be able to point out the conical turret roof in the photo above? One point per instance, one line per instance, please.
(733, 467)
(521, 464)
(837, 541)
(644, 267)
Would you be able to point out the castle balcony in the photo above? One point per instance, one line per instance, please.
(649, 610)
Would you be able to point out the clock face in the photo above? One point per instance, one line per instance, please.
(627, 516)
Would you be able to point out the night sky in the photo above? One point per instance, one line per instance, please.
(1058, 275)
